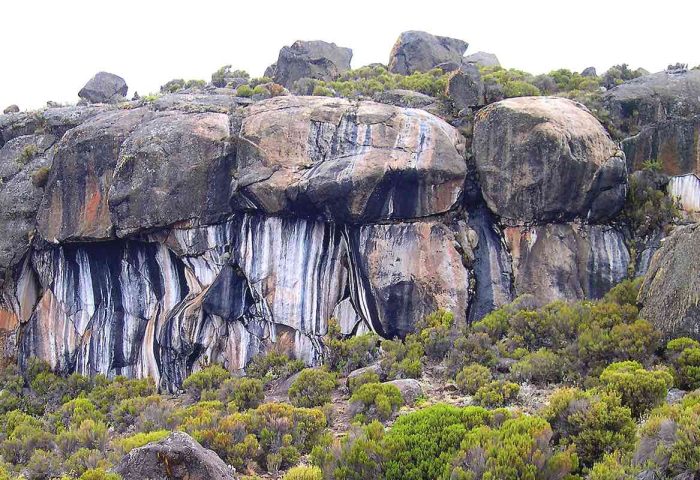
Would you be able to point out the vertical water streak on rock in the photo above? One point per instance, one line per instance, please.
(609, 260)
(686, 188)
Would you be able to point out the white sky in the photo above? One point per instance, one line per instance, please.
(51, 48)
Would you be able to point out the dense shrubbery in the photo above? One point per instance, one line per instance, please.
(608, 358)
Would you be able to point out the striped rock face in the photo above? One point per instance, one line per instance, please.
(347, 162)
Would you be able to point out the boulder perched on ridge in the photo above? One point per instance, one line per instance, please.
(104, 88)
(309, 59)
(416, 51)
(543, 159)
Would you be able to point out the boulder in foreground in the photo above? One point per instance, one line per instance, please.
(176, 457)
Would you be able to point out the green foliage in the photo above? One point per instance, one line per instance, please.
(647, 210)
(107, 393)
(611, 468)
(179, 84)
(244, 91)
(422, 444)
(472, 377)
(595, 422)
(434, 334)
(209, 378)
(688, 368)
(668, 442)
(625, 292)
(312, 388)
(540, 367)
(244, 393)
(640, 389)
(125, 445)
(357, 381)
(402, 359)
(27, 154)
(348, 354)
(496, 394)
(322, 91)
(273, 365)
(303, 473)
(99, 474)
(520, 448)
(376, 401)
(475, 347)
(618, 74)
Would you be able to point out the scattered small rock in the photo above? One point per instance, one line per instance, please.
(410, 389)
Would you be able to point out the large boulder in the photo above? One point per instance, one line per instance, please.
(75, 204)
(310, 59)
(11, 109)
(416, 51)
(347, 161)
(544, 159)
(465, 87)
(24, 165)
(176, 457)
(670, 293)
(104, 88)
(174, 167)
(483, 59)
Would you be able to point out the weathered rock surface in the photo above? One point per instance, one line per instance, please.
(654, 98)
(410, 389)
(674, 143)
(310, 59)
(347, 161)
(670, 293)
(465, 87)
(483, 59)
(176, 457)
(567, 261)
(589, 72)
(543, 159)
(11, 109)
(104, 88)
(416, 51)
(405, 98)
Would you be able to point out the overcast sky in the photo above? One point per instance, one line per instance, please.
(51, 48)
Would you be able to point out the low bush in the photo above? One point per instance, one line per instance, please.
(496, 394)
(402, 359)
(303, 473)
(472, 377)
(209, 378)
(640, 389)
(541, 367)
(312, 388)
(688, 368)
(376, 401)
(244, 393)
(273, 365)
(595, 422)
(348, 354)
(357, 381)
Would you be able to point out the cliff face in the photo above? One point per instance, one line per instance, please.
(202, 228)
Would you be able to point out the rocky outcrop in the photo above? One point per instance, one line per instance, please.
(416, 51)
(566, 261)
(483, 59)
(670, 293)
(347, 161)
(176, 457)
(544, 159)
(654, 98)
(309, 59)
(11, 109)
(104, 88)
(465, 87)
(673, 143)
(205, 228)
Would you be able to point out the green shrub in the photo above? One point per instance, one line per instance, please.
(496, 394)
(99, 474)
(85, 459)
(357, 456)
(595, 422)
(107, 393)
(127, 444)
(472, 377)
(625, 292)
(303, 473)
(640, 389)
(611, 468)
(244, 91)
(668, 442)
(272, 366)
(647, 210)
(402, 359)
(43, 465)
(244, 392)
(422, 444)
(376, 400)
(357, 381)
(209, 378)
(322, 91)
(434, 334)
(677, 345)
(348, 354)
(541, 367)
(27, 154)
(475, 347)
(520, 448)
(312, 388)
(688, 368)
